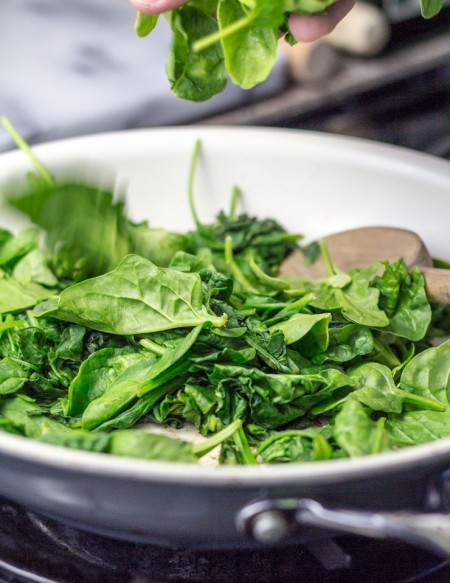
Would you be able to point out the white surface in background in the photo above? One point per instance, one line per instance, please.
(72, 68)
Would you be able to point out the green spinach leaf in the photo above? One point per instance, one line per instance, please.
(194, 76)
(136, 298)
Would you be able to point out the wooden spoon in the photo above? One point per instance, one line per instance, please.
(361, 247)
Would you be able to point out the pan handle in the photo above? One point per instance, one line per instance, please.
(272, 521)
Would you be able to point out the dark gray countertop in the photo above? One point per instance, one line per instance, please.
(71, 68)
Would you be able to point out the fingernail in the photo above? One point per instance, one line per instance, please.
(147, 2)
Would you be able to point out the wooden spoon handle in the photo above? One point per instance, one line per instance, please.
(437, 283)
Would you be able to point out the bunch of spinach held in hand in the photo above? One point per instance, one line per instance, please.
(216, 39)
(106, 325)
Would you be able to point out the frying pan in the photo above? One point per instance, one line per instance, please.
(312, 183)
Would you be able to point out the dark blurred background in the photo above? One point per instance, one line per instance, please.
(71, 68)
(76, 67)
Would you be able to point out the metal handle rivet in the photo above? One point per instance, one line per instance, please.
(269, 527)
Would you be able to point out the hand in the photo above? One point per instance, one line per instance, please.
(312, 28)
(304, 28)
(156, 6)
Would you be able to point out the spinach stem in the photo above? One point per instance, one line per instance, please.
(384, 355)
(202, 448)
(297, 305)
(441, 263)
(34, 322)
(287, 433)
(209, 40)
(191, 179)
(263, 277)
(22, 145)
(236, 193)
(326, 257)
(295, 293)
(152, 346)
(233, 267)
(11, 324)
(379, 432)
(176, 369)
(59, 374)
(419, 401)
(25, 363)
(264, 306)
(241, 443)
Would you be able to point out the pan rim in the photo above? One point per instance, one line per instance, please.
(390, 155)
(436, 453)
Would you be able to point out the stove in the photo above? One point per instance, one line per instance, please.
(34, 548)
(410, 110)
(401, 97)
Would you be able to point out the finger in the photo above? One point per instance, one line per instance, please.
(156, 6)
(311, 28)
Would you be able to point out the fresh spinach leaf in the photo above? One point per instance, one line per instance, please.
(357, 433)
(29, 418)
(12, 376)
(353, 295)
(13, 248)
(379, 391)
(136, 298)
(403, 299)
(150, 446)
(194, 76)
(139, 379)
(311, 329)
(250, 49)
(246, 30)
(145, 23)
(428, 374)
(96, 374)
(430, 8)
(16, 296)
(33, 268)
